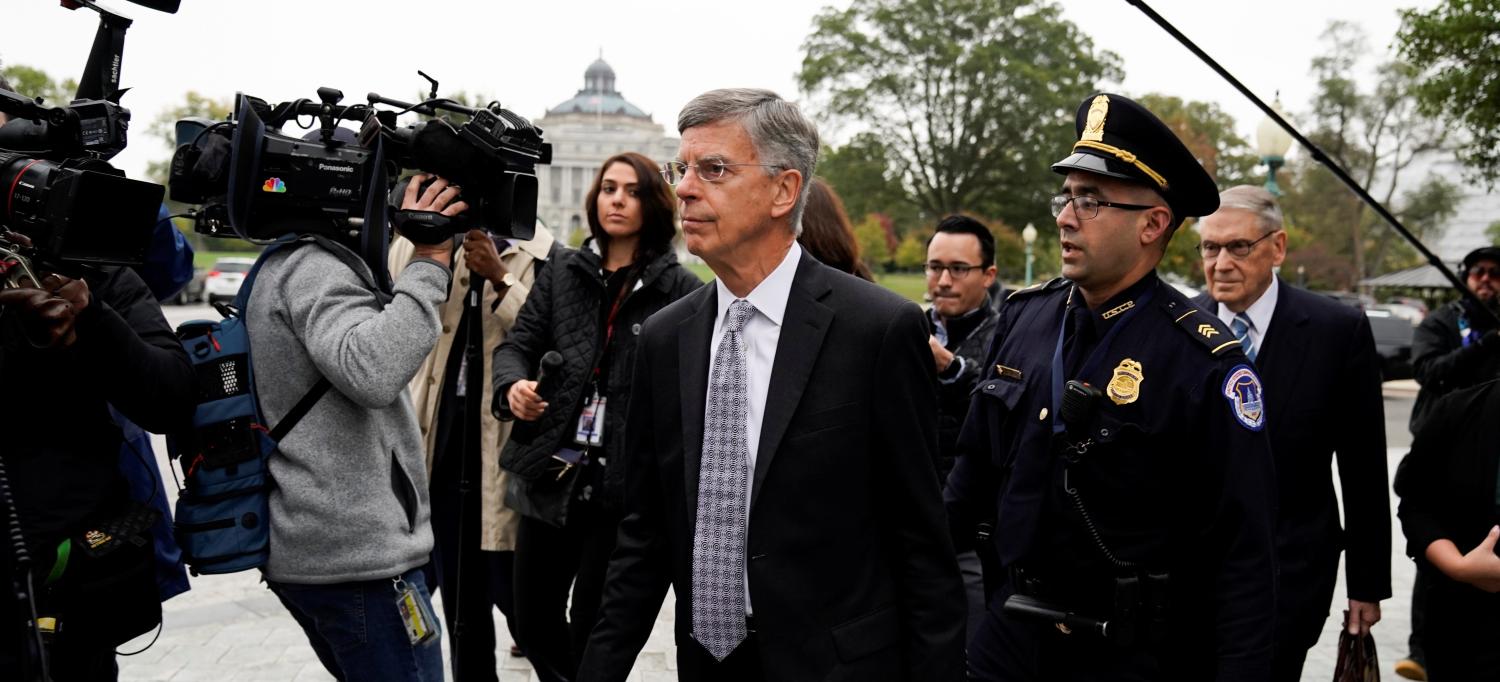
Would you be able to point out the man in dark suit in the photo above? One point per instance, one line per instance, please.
(782, 441)
(1322, 382)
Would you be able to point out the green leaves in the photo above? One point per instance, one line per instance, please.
(1456, 48)
(972, 100)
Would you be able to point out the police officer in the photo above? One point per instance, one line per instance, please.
(1118, 438)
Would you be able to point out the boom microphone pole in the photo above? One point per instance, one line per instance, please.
(1321, 157)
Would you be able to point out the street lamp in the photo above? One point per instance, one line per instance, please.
(1028, 235)
(1272, 142)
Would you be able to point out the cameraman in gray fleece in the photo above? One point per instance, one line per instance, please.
(349, 511)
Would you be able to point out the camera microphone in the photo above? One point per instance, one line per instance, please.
(548, 375)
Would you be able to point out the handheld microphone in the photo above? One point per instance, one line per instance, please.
(547, 375)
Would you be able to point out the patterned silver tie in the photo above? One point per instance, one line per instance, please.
(1241, 326)
(723, 480)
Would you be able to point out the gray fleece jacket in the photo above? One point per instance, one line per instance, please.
(350, 501)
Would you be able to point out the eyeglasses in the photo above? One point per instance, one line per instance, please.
(935, 270)
(1238, 248)
(1087, 207)
(1490, 272)
(708, 171)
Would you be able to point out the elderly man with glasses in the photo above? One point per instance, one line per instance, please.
(1117, 439)
(1322, 376)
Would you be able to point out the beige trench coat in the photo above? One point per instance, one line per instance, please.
(498, 523)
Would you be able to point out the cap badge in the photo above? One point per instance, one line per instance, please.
(1093, 127)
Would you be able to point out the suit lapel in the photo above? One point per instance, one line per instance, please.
(1278, 358)
(693, 339)
(802, 329)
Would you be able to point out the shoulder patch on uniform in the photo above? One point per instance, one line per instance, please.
(1246, 398)
(1205, 328)
(1037, 288)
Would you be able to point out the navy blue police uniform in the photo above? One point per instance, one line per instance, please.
(1122, 452)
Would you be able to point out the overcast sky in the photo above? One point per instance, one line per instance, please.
(531, 55)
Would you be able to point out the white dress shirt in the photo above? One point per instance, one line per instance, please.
(760, 335)
(1260, 313)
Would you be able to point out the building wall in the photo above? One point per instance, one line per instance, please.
(580, 143)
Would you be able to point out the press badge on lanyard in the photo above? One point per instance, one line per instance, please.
(591, 421)
(416, 615)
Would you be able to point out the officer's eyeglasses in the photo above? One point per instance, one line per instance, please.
(1087, 207)
(935, 270)
(1238, 248)
(710, 170)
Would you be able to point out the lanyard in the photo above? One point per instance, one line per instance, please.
(609, 327)
(1092, 361)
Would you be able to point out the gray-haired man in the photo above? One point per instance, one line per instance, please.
(782, 440)
(1322, 375)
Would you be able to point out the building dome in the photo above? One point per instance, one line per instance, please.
(599, 96)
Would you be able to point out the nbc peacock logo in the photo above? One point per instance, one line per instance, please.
(274, 185)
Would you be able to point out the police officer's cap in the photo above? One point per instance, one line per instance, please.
(1489, 253)
(1120, 138)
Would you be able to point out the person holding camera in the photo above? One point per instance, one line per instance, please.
(566, 455)
(439, 394)
(70, 348)
(350, 530)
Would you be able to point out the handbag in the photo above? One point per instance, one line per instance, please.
(1357, 661)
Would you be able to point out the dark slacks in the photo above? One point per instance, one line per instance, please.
(550, 560)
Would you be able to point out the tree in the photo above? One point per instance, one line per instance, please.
(163, 127)
(1456, 48)
(1376, 136)
(911, 253)
(34, 82)
(873, 249)
(1208, 132)
(860, 171)
(1492, 233)
(974, 99)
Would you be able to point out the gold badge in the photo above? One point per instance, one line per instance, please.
(1125, 387)
(1093, 127)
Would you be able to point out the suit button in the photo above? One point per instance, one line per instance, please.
(990, 387)
(447, 329)
(1043, 416)
(635, 329)
(463, 281)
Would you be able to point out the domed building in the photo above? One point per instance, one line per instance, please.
(589, 127)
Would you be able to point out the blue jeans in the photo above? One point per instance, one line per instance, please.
(357, 631)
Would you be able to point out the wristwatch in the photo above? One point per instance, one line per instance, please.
(509, 280)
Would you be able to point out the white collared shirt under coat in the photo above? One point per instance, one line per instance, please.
(760, 336)
(1260, 312)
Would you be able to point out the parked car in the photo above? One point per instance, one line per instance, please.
(1393, 338)
(223, 281)
(192, 292)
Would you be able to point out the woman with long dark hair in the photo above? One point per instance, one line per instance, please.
(565, 451)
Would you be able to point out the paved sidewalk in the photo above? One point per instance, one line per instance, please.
(230, 628)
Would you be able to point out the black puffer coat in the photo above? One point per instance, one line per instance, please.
(564, 313)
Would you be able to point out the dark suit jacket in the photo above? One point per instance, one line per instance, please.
(1322, 384)
(851, 572)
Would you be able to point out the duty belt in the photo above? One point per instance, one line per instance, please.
(1137, 610)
